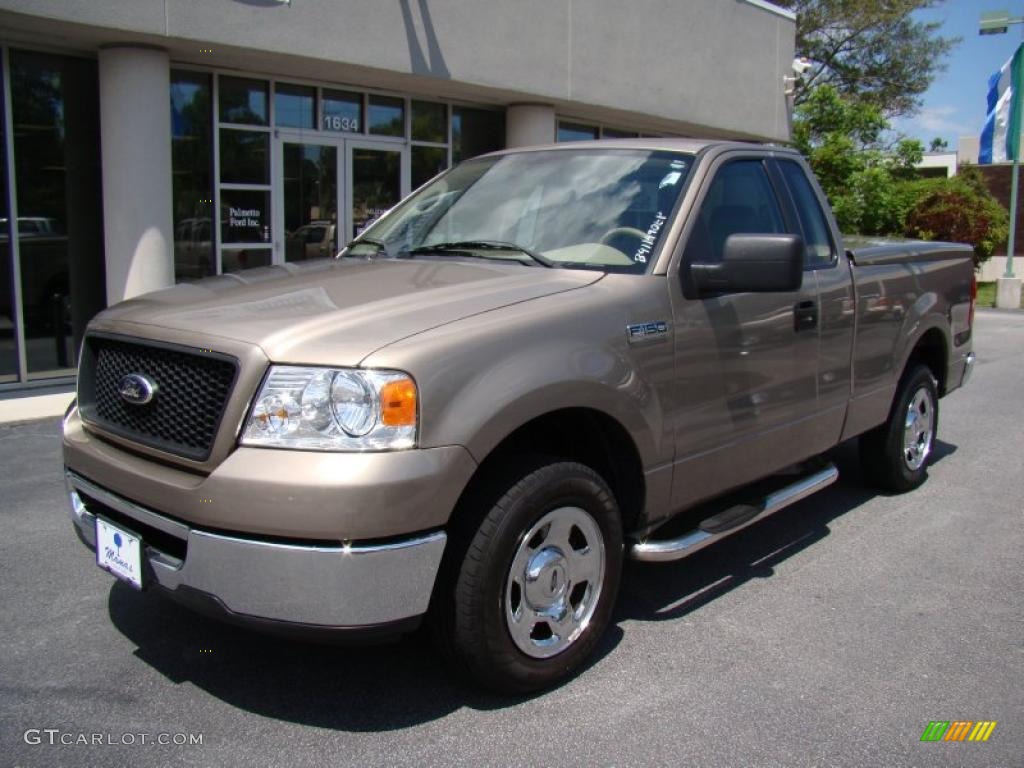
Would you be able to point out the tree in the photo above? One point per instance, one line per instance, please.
(938, 145)
(870, 51)
(873, 184)
(844, 141)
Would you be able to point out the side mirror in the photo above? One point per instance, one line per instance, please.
(754, 264)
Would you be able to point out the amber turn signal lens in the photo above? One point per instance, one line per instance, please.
(398, 403)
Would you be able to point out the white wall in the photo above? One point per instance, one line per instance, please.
(995, 268)
(698, 67)
(967, 149)
(946, 160)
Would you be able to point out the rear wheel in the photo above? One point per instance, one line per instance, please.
(895, 455)
(538, 580)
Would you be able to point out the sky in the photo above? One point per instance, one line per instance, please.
(954, 106)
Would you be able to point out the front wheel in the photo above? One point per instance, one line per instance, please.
(538, 582)
(894, 456)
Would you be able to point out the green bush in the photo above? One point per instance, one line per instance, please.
(959, 210)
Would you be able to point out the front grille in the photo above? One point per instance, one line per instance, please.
(192, 390)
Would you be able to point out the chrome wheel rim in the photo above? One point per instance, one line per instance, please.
(918, 428)
(554, 582)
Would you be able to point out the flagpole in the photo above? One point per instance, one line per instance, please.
(1008, 287)
(1013, 215)
(1015, 181)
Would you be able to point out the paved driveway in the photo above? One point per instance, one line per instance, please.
(830, 634)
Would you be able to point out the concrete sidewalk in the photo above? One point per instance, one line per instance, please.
(19, 406)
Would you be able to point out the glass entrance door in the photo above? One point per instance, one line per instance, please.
(308, 210)
(329, 190)
(378, 177)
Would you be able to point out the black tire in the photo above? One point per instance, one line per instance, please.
(884, 460)
(470, 615)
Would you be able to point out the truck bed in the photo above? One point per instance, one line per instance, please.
(903, 289)
(877, 251)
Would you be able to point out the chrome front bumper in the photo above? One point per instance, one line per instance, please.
(313, 585)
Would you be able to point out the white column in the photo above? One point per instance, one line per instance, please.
(135, 139)
(527, 124)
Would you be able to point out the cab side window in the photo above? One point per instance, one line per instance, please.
(741, 200)
(820, 252)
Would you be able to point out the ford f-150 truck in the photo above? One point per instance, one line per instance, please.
(540, 363)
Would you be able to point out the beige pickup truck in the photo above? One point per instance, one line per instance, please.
(542, 362)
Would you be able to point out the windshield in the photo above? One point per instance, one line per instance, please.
(599, 208)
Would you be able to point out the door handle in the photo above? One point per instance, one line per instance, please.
(805, 316)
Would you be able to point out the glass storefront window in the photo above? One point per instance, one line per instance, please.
(343, 111)
(376, 185)
(243, 100)
(237, 259)
(310, 201)
(8, 329)
(576, 132)
(387, 116)
(191, 174)
(427, 162)
(429, 122)
(476, 132)
(244, 216)
(294, 105)
(244, 156)
(614, 133)
(55, 109)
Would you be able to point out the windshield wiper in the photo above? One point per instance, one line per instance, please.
(381, 245)
(483, 245)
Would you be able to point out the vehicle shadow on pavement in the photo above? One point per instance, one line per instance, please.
(667, 591)
(406, 683)
(344, 687)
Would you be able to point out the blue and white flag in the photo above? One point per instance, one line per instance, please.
(1000, 138)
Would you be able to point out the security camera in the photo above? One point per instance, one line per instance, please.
(801, 65)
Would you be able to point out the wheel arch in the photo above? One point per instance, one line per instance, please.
(584, 434)
(930, 349)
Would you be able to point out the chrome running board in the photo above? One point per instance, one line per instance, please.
(711, 530)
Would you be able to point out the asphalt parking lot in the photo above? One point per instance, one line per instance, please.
(830, 634)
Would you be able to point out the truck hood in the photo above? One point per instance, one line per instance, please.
(336, 312)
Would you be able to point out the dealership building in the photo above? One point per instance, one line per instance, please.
(144, 142)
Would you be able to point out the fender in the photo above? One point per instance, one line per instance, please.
(482, 378)
(539, 379)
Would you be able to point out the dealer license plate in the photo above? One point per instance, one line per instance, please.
(119, 552)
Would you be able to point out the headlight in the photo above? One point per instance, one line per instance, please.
(329, 409)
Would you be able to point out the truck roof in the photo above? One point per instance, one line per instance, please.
(690, 146)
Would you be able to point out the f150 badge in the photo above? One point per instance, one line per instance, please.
(643, 332)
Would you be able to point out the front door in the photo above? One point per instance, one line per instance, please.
(377, 178)
(308, 207)
(746, 364)
(330, 189)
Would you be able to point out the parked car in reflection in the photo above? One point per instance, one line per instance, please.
(315, 240)
(43, 251)
(29, 226)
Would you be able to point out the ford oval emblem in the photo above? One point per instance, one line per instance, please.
(136, 389)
